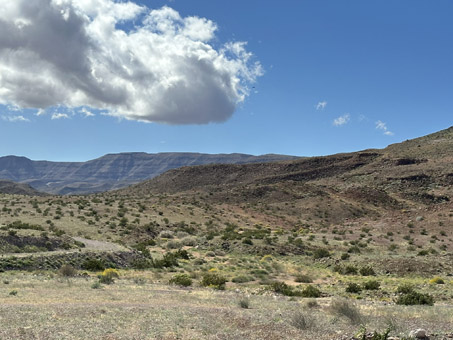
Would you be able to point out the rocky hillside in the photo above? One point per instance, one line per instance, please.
(111, 171)
(8, 187)
(372, 182)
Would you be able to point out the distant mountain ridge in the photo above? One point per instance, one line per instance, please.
(112, 171)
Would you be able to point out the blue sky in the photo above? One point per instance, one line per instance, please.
(334, 76)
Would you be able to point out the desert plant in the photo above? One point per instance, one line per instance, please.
(367, 271)
(181, 280)
(244, 303)
(321, 253)
(303, 278)
(405, 289)
(310, 292)
(346, 309)
(437, 281)
(364, 335)
(353, 288)
(93, 265)
(67, 270)
(242, 279)
(371, 285)
(108, 276)
(213, 280)
(96, 285)
(301, 320)
(415, 298)
(282, 288)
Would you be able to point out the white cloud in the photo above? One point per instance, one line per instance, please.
(321, 105)
(74, 54)
(342, 120)
(383, 126)
(14, 119)
(57, 115)
(86, 112)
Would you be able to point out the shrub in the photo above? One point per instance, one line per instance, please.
(353, 288)
(311, 292)
(405, 289)
(415, 298)
(371, 285)
(364, 335)
(242, 279)
(345, 308)
(189, 241)
(173, 244)
(67, 270)
(345, 256)
(321, 253)
(349, 270)
(181, 280)
(108, 276)
(213, 280)
(244, 303)
(13, 293)
(367, 271)
(437, 281)
(303, 278)
(96, 285)
(301, 321)
(93, 265)
(282, 288)
(141, 264)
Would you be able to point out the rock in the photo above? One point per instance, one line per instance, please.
(418, 334)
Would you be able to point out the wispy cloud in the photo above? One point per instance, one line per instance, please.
(383, 127)
(342, 120)
(15, 119)
(321, 106)
(168, 68)
(86, 112)
(59, 116)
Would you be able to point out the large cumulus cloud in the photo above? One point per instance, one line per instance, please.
(121, 58)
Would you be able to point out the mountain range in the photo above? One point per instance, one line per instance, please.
(112, 171)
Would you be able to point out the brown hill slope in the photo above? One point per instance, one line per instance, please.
(325, 190)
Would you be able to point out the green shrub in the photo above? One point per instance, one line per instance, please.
(93, 265)
(311, 292)
(349, 270)
(364, 335)
(345, 256)
(353, 288)
(415, 298)
(367, 271)
(303, 278)
(181, 280)
(96, 285)
(321, 253)
(213, 280)
(405, 289)
(244, 303)
(282, 288)
(371, 285)
(242, 279)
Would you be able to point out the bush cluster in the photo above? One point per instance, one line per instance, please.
(411, 297)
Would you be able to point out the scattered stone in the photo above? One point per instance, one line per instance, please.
(418, 334)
